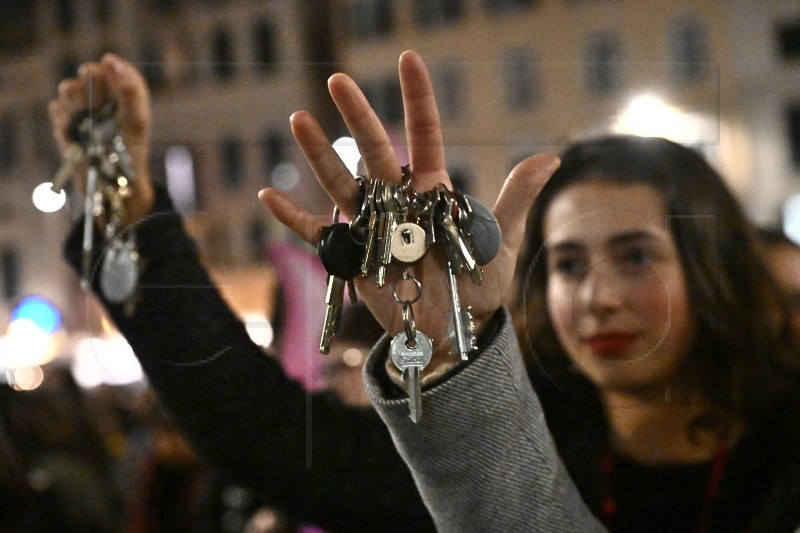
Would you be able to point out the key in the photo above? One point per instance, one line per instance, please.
(388, 207)
(340, 252)
(482, 229)
(334, 301)
(461, 331)
(90, 206)
(411, 361)
(372, 228)
(409, 242)
(119, 274)
(457, 242)
(70, 159)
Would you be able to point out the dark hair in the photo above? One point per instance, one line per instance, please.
(745, 356)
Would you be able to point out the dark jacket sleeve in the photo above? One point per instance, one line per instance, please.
(307, 453)
(482, 455)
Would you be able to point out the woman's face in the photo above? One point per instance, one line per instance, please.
(616, 291)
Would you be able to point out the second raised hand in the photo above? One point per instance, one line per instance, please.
(426, 151)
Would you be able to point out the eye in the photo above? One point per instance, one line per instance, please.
(569, 266)
(637, 256)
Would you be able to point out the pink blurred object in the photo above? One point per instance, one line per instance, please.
(301, 277)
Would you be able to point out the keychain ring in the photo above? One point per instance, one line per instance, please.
(407, 277)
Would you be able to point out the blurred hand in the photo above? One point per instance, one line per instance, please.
(427, 160)
(112, 78)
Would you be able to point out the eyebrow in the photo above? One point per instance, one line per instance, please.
(619, 239)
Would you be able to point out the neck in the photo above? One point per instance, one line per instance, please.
(657, 429)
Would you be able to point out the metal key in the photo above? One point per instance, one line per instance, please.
(461, 331)
(334, 301)
(372, 227)
(455, 239)
(388, 213)
(411, 361)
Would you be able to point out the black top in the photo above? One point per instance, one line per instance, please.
(309, 455)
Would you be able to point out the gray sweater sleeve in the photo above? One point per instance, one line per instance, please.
(482, 456)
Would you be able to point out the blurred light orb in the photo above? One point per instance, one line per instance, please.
(791, 218)
(347, 150)
(40, 311)
(353, 357)
(285, 176)
(47, 201)
(259, 329)
(25, 378)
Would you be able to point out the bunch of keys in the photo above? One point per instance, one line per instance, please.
(395, 224)
(97, 141)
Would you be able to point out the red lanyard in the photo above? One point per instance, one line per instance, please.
(609, 506)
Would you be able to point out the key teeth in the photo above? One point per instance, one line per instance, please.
(470, 322)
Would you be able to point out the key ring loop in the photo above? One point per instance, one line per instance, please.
(407, 277)
(409, 325)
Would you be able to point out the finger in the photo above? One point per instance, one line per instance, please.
(301, 222)
(72, 96)
(423, 126)
(128, 87)
(519, 191)
(366, 128)
(92, 78)
(331, 172)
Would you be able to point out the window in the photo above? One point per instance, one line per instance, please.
(102, 11)
(689, 49)
(521, 81)
(8, 143)
(603, 62)
(223, 55)
(273, 151)
(152, 66)
(503, 6)
(9, 260)
(448, 80)
(793, 119)
(371, 18)
(232, 162)
(65, 15)
(436, 12)
(788, 36)
(264, 42)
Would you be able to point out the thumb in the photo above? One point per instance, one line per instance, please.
(518, 194)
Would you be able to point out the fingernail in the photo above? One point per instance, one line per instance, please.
(554, 164)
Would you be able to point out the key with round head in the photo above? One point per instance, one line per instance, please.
(411, 358)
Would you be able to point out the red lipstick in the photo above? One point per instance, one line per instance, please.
(611, 344)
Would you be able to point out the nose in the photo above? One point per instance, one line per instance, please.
(601, 291)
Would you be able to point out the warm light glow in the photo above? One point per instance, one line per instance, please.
(26, 344)
(259, 329)
(107, 360)
(648, 115)
(47, 201)
(25, 378)
(347, 150)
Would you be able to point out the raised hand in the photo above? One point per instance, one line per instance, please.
(427, 161)
(110, 79)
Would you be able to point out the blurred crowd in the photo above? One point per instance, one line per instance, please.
(110, 459)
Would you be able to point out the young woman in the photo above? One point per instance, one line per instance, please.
(659, 345)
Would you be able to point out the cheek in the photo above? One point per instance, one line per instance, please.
(560, 302)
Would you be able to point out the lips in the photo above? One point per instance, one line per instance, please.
(611, 344)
